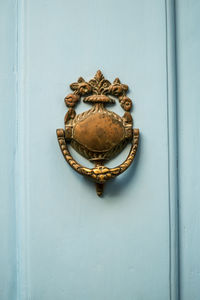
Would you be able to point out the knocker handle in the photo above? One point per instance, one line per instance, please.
(100, 174)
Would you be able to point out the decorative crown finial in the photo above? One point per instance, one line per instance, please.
(97, 90)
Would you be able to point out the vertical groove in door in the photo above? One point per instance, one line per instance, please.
(172, 149)
(21, 159)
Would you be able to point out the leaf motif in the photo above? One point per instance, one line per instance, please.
(95, 90)
(81, 80)
(74, 86)
(103, 86)
(93, 82)
(125, 87)
(99, 76)
(116, 81)
(94, 86)
(104, 83)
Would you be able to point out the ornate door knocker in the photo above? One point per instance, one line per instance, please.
(98, 134)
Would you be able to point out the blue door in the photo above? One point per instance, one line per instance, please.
(58, 239)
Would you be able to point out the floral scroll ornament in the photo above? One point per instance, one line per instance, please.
(98, 134)
(101, 87)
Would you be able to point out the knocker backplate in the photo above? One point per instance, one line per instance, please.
(98, 134)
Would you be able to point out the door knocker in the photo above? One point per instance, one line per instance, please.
(98, 134)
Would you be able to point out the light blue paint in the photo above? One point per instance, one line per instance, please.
(172, 149)
(70, 244)
(188, 42)
(78, 246)
(8, 139)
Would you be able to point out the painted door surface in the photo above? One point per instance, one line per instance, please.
(58, 239)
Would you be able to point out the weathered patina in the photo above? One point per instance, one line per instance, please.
(98, 134)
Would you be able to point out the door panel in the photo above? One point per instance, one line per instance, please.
(70, 244)
(188, 46)
(8, 149)
(77, 245)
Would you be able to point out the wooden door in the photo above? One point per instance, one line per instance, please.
(59, 240)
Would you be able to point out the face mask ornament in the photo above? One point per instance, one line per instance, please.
(98, 134)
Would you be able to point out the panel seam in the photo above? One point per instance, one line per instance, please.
(20, 160)
(171, 86)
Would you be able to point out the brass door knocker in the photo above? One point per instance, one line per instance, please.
(98, 134)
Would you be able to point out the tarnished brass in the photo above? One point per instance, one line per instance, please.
(98, 134)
